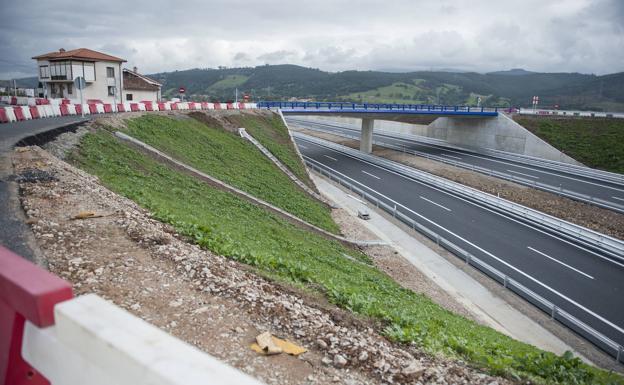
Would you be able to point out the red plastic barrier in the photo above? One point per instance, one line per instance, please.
(93, 109)
(134, 107)
(148, 106)
(27, 292)
(19, 114)
(78, 109)
(120, 107)
(230, 106)
(191, 105)
(94, 101)
(64, 109)
(3, 116)
(241, 105)
(174, 106)
(65, 101)
(217, 106)
(161, 106)
(13, 101)
(204, 105)
(34, 112)
(108, 108)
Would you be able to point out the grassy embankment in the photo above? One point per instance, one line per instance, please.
(237, 162)
(595, 142)
(234, 228)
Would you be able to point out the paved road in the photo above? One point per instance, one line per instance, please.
(609, 192)
(579, 280)
(14, 233)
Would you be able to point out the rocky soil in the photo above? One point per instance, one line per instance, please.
(595, 218)
(206, 300)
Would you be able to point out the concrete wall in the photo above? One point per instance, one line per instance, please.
(500, 133)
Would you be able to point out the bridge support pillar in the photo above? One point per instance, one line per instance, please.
(366, 136)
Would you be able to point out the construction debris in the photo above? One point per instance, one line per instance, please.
(268, 345)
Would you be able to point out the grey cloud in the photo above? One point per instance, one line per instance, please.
(540, 35)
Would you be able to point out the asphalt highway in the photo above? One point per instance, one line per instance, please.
(609, 192)
(579, 280)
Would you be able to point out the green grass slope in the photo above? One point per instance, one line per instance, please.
(234, 228)
(228, 157)
(595, 142)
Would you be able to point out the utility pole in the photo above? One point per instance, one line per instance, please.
(236, 95)
(14, 88)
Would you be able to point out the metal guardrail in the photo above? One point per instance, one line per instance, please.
(394, 208)
(611, 246)
(344, 106)
(528, 182)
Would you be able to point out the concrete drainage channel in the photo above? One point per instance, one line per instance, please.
(601, 175)
(564, 229)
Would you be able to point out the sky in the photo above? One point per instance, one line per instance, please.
(584, 36)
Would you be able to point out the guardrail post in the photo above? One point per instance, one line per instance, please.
(619, 354)
(394, 212)
(553, 313)
(505, 280)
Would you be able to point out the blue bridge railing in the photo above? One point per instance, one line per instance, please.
(372, 107)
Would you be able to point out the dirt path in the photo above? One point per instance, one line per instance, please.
(595, 218)
(213, 303)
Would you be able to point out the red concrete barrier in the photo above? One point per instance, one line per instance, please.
(78, 108)
(108, 108)
(65, 101)
(217, 106)
(204, 105)
(93, 109)
(13, 100)
(230, 106)
(3, 116)
(161, 106)
(148, 106)
(19, 114)
(34, 112)
(120, 107)
(27, 292)
(191, 106)
(174, 106)
(64, 109)
(134, 107)
(241, 105)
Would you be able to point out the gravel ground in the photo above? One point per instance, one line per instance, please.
(596, 218)
(209, 301)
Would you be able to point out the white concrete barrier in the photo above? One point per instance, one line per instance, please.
(183, 106)
(41, 109)
(100, 108)
(95, 342)
(26, 112)
(71, 109)
(10, 114)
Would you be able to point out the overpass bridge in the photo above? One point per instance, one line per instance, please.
(369, 112)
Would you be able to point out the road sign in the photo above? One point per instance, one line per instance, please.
(181, 90)
(79, 82)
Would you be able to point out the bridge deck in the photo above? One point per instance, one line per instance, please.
(328, 108)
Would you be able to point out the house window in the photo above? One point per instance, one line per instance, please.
(44, 72)
(110, 72)
(69, 88)
(111, 90)
(128, 96)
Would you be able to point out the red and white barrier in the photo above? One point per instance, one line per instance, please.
(46, 336)
(43, 108)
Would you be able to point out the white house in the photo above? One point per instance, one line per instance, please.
(103, 75)
(138, 88)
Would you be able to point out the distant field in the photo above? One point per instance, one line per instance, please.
(229, 81)
(595, 142)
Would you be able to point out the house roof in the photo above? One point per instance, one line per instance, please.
(80, 53)
(135, 81)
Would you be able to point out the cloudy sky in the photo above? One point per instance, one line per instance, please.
(478, 35)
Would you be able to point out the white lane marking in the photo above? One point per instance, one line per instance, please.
(434, 203)
(478, 206)
(302, 146)
(451, 156)
(573, 302)
(618, 198)
(558, 261)
(327, 156)
(369, 174)
(521, 173)
(498, 161)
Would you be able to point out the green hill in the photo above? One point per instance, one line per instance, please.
(503, 88)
